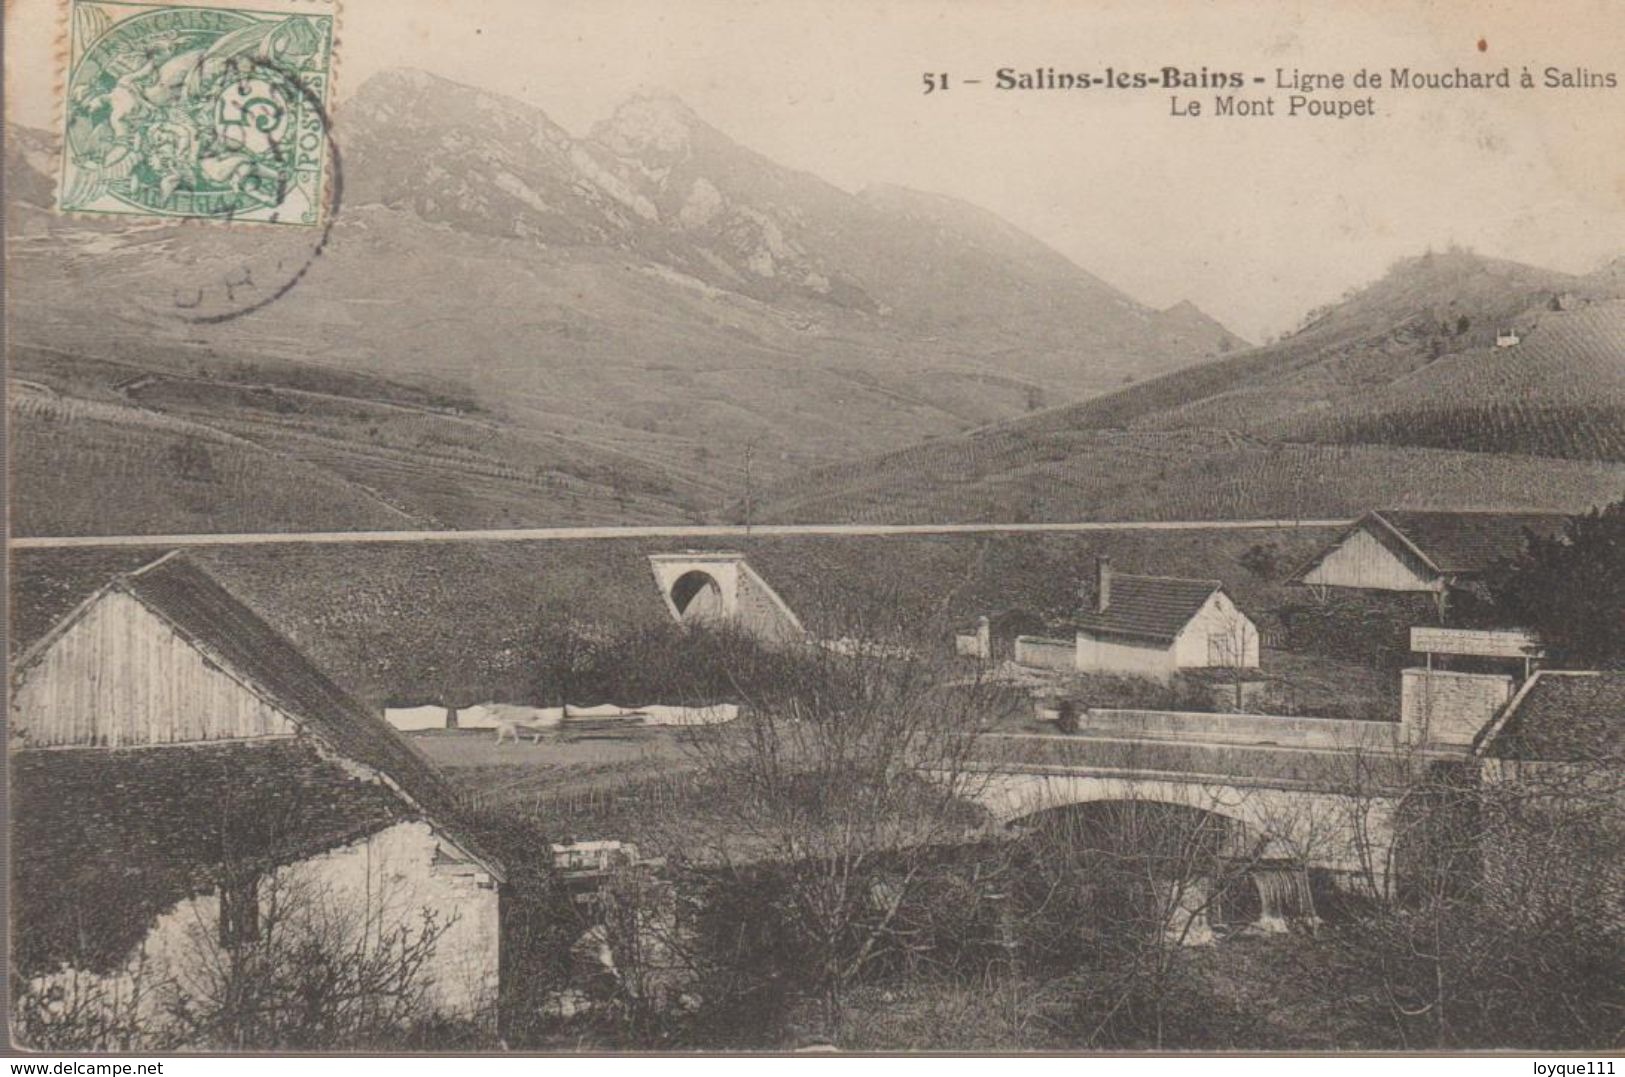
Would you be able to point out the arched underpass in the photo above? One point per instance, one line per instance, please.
(698, 597)
(1146, 865)
(713, 587)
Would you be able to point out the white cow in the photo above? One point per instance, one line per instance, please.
(510, 720)
(512, 728)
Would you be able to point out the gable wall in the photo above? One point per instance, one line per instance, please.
(397, 874)
(121, 677)
(355, 898)
(1362, 561)
(1219, 619)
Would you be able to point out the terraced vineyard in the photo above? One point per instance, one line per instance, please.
(1560, 392)
(1399, 396)
(1203, 475)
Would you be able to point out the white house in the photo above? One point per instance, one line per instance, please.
(184, 779)
(1156, 626)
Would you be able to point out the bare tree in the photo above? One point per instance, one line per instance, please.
(304, 966)
(1121, 890)
(1234, 649)
(640, 969)
(80, 1011)
(1498, 921)
(849, 768)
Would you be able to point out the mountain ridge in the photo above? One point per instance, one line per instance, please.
(609, 326)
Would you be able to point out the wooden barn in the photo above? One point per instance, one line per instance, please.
(184, 780)
(1158, 626)
(1429, 552)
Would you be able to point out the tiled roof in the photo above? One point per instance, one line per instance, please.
(1565, 717)
(104, 841)
(1149, 607)
(211, 618)
(1464, 542)
(192, 602)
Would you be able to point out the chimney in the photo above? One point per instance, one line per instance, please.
(1103, 584)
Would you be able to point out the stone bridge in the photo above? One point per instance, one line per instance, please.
(1317, 793)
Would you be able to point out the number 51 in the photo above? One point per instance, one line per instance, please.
(935, 82)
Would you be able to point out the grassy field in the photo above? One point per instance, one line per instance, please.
(640, 787)
(83, 466)
(558, 765)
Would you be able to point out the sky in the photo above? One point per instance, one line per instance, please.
(1256, 220)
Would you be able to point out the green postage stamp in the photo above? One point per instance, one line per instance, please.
(180, 110)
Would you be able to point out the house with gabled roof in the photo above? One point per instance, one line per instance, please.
(1417, 551)
(186, 785)
(1549, 766)
(1560, 717)
(1158, 626)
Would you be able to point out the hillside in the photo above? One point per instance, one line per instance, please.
(626, 317)
(453, 622)
(1559, 393)
(1397, 395)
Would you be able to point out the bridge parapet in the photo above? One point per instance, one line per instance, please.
(1262, 729)
(1352, 771)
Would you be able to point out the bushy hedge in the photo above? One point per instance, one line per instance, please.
(1368, 629)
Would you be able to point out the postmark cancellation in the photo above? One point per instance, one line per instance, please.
(182, 110)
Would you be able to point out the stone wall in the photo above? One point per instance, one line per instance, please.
(759, 613)
(1444, 707)
(1041, 653)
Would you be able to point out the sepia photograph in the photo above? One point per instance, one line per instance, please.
(917, 527)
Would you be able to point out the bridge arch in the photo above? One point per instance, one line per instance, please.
(1147, 821)
(1210, 872)
(1351, 836)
